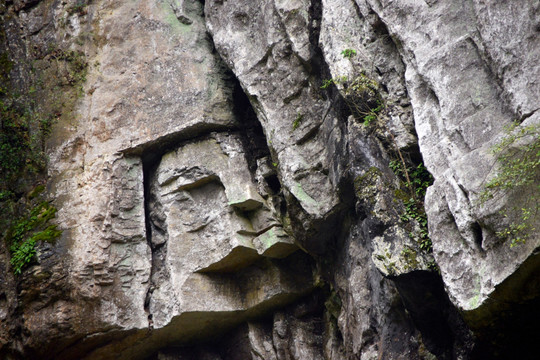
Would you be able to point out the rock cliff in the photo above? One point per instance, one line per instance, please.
(270, 179)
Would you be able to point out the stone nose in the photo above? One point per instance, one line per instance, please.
(211, 205)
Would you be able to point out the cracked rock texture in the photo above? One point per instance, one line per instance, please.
(224, 194)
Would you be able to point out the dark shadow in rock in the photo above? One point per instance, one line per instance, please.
(443, 331)
(506, 326)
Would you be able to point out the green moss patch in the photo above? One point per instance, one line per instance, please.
(27, 231)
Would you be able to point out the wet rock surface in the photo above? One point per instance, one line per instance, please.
(240, 180)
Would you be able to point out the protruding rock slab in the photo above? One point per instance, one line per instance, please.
(274, 243)
(216, 303)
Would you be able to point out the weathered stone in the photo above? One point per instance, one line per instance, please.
(458, 77)
(181, 227)
(270, 66)
(274, 243)
(458, 118)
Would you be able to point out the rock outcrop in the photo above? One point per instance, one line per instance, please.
(277, 179)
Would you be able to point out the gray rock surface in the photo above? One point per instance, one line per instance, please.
(275, 72)
(202, 203)
(458, 78)
(228, 181)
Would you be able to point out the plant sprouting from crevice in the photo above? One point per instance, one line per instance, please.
(518, 160)
(297, 121)
(361, 94)
(415, 180)
(30, 229)
(54, 78)
(366, 103)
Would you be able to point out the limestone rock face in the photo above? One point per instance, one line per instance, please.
(461, 78)
(277, 73)
(245, 180)
(115, 269)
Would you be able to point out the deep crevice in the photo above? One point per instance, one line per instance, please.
(252, 135)
(273, 183)
(319, 68)
(477, 234)
(150, 164)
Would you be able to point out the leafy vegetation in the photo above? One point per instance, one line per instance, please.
(518, 156)
(416, 180)
(348, 53)
(366, 103)
(35, 92)
(27, 231)
(297, 121)
(361, 95)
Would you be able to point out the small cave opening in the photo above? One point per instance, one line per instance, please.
(150, 161)
(380, 28)
(273, 183)
(477, 234)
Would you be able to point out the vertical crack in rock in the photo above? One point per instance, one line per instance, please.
(257, 153)
(320, 70)
(253, 138)
(422, 292)
(150, 162)
(314, 26)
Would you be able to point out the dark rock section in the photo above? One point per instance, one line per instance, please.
(443, 331)
(507, 329)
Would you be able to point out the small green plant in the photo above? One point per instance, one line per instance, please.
(421, 179)
(348, 53)
(27, 231)
(361, 94)
(327, 83)
(297, 121)
(373, 113)
(396, 167)
(416, 180)
(414, 210)
(519, 169)
(518, 166)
